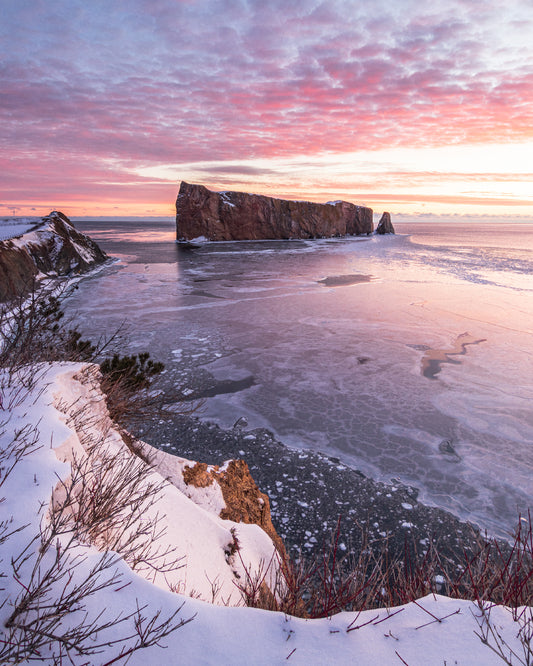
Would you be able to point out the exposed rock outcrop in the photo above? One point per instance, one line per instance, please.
(228, 491)
(219, 216)
(244, 502)
(385, 225)
(54, 247)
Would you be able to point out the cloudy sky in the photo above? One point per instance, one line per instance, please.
(402, 105)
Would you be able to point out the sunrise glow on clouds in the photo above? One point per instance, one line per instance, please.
(407, 106)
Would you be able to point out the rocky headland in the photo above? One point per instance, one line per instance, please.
(226, 216)
(53, 247)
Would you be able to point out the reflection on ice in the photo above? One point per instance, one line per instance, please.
(345, 280)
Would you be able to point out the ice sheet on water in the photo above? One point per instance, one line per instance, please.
(303, 344)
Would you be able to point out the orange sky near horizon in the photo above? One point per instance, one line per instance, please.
(409, 108)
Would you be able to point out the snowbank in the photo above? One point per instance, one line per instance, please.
(63, 417)
(192, 527)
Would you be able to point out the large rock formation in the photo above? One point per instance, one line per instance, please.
(221, 216)
(385, 225)
(53, 247)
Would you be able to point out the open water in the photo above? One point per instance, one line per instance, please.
(408, 357)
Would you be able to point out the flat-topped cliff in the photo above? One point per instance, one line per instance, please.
(53, 246)
(219, 216)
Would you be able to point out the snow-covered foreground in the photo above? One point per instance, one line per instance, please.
(69, 415)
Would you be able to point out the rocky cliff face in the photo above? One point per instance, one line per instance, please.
(54, 247)
(239, 216)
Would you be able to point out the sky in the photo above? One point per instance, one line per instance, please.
(401, 105)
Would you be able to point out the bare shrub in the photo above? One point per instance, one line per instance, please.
(34, 331)
(132, 391)
(316, 588)
(23, 441)
(501, 573)
(492, 637)
(264, 586)
(106, 502)
(50, 620)
(103, 503)
(494, 573)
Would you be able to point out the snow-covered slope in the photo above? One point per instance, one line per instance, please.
(61, 420)
(74, 418)
(11, 227)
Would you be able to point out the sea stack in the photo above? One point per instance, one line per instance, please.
(222, 216)
(385, 225)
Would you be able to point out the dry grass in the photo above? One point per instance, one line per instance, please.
(494, 574)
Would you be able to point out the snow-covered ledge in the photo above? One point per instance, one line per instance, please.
(72, 416)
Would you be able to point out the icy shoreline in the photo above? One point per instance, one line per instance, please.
(328, 373)
(309, 492)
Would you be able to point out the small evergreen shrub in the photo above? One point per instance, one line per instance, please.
(136, 372)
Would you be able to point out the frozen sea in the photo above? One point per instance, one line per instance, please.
(408, 357)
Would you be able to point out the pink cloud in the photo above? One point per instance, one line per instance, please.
(89, 87)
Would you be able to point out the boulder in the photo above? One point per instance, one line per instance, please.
(219, 216)
(385, 225)
(53, 247)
